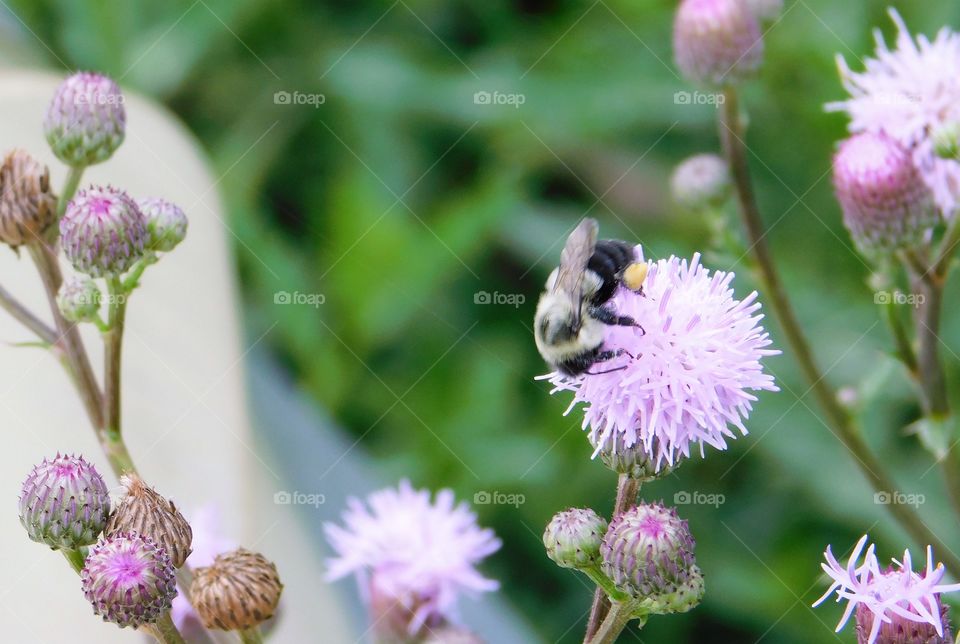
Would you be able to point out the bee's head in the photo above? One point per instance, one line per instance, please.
(557, 322)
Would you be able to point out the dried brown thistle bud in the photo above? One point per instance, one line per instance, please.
(27, 207)
(239, 591)
(144, 511)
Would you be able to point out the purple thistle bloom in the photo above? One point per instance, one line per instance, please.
(410, 552)
(103, 231)
(64, 503)
(886, 204)
(129, 579)
(86, 120)
(910, 93)
(897, 600)
(686, 376)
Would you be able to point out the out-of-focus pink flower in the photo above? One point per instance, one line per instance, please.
(412, 553)
(886, 599)
(683, 379)
(910, 93)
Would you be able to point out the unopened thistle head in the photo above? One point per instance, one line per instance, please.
(79, 300)
(648, 554)
(166, 223)
(684, 379)
(64, 503)
(145, 512)
(86, 120)
(886, 204)
(27, 206)
(573, 538)
(129, 579)
(716, 42)
(894, 605)
(103, 232)
(701, 181)
(910, 93)
(407, 549)
(239, 591)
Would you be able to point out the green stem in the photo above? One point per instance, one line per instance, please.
(113, 348)
(604, 583)
(69, 188)
(165, 631)
(627, 491)
(251, 636)
(616, 620)
(76, 559)
(837, 418)
(132, 280)
(23, 315)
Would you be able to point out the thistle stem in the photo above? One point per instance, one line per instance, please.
(26, 317)
(76, 559)
(69, 188)
(251, 636)
(838, 420)
(627, 491)
(113, 348)
(613, 624)
(165, 631)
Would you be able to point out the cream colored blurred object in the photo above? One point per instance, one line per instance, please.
(184, 406)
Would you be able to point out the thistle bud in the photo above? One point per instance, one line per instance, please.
(129, 579)
(239, 591)
(716, 42)
(64, 503)
(900, 630)
(648, 554)
(103, 232)
(886, 204)
(27, 207)
(79, 300)
(701, 181)
(573, 538)
(633, 460)
(86, 120)
(145, 512)
(166, 223)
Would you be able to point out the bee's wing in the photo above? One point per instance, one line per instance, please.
(573, 263)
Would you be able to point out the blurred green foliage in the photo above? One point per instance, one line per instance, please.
(400, 198)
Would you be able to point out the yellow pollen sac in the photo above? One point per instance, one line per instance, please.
(634, 274)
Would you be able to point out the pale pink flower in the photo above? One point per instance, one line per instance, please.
(897, 593)
(686, 377)
(910, 93)
(409, 550)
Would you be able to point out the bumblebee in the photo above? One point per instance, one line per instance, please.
(571, 313)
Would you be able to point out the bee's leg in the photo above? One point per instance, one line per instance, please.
(607, 316)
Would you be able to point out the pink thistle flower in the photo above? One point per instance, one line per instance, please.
(103, 231)
(716, 42)
(910, 93)
(86, 120)
(685, 377)
(896, 600)
(410, 552)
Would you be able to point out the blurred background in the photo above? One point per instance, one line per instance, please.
(400, 176)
